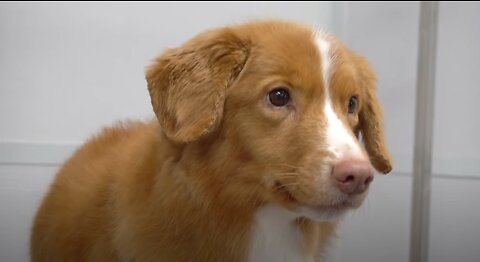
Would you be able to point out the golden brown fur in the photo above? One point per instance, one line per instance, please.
(186, 187)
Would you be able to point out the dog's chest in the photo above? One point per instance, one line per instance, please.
(276, 237)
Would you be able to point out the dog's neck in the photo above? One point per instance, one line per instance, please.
(277, 236)
(268, 232)
(237, 182)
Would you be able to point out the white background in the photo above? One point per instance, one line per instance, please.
(67, 69)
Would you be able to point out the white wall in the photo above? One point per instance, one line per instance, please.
(67, 69)
(456, 122)
(387, 33)
(21, 189)
(454, 220)
(455, 216)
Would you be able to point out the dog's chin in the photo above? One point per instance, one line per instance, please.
(328, 211)
(333, 211)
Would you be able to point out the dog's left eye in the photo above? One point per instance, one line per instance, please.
(352, 104)
(279, 97)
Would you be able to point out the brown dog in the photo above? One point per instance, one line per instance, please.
(254, 157)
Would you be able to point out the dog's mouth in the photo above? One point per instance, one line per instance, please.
(284, 193)
(335, 207)
(340, 206)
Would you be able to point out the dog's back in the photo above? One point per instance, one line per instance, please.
(77, 215)
(108, 203)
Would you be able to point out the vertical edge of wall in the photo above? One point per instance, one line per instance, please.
(422, 162)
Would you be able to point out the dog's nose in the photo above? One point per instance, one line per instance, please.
(352, 176)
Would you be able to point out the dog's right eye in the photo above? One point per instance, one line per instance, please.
(279, 97)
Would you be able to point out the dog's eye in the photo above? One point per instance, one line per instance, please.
(352, 104)
(279, 97)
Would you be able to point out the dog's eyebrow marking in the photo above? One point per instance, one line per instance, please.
(324, 47)
(339, 140)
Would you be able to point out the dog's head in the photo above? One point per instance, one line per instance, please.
(282, 108)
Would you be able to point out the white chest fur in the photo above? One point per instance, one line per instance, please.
(276, 237)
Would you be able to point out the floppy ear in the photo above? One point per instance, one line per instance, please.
(371, 120)
(187, 85)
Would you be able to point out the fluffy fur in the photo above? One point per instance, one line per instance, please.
(202, 182)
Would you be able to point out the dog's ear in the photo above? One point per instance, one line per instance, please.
(371, 119)
(187, 85)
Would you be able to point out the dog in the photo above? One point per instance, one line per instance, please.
(266, 134)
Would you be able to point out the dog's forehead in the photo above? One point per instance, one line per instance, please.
(294, 51)
(288, 43)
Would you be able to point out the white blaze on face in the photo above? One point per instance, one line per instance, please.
(340, 140)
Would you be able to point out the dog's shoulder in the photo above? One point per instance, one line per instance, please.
(113, 150)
